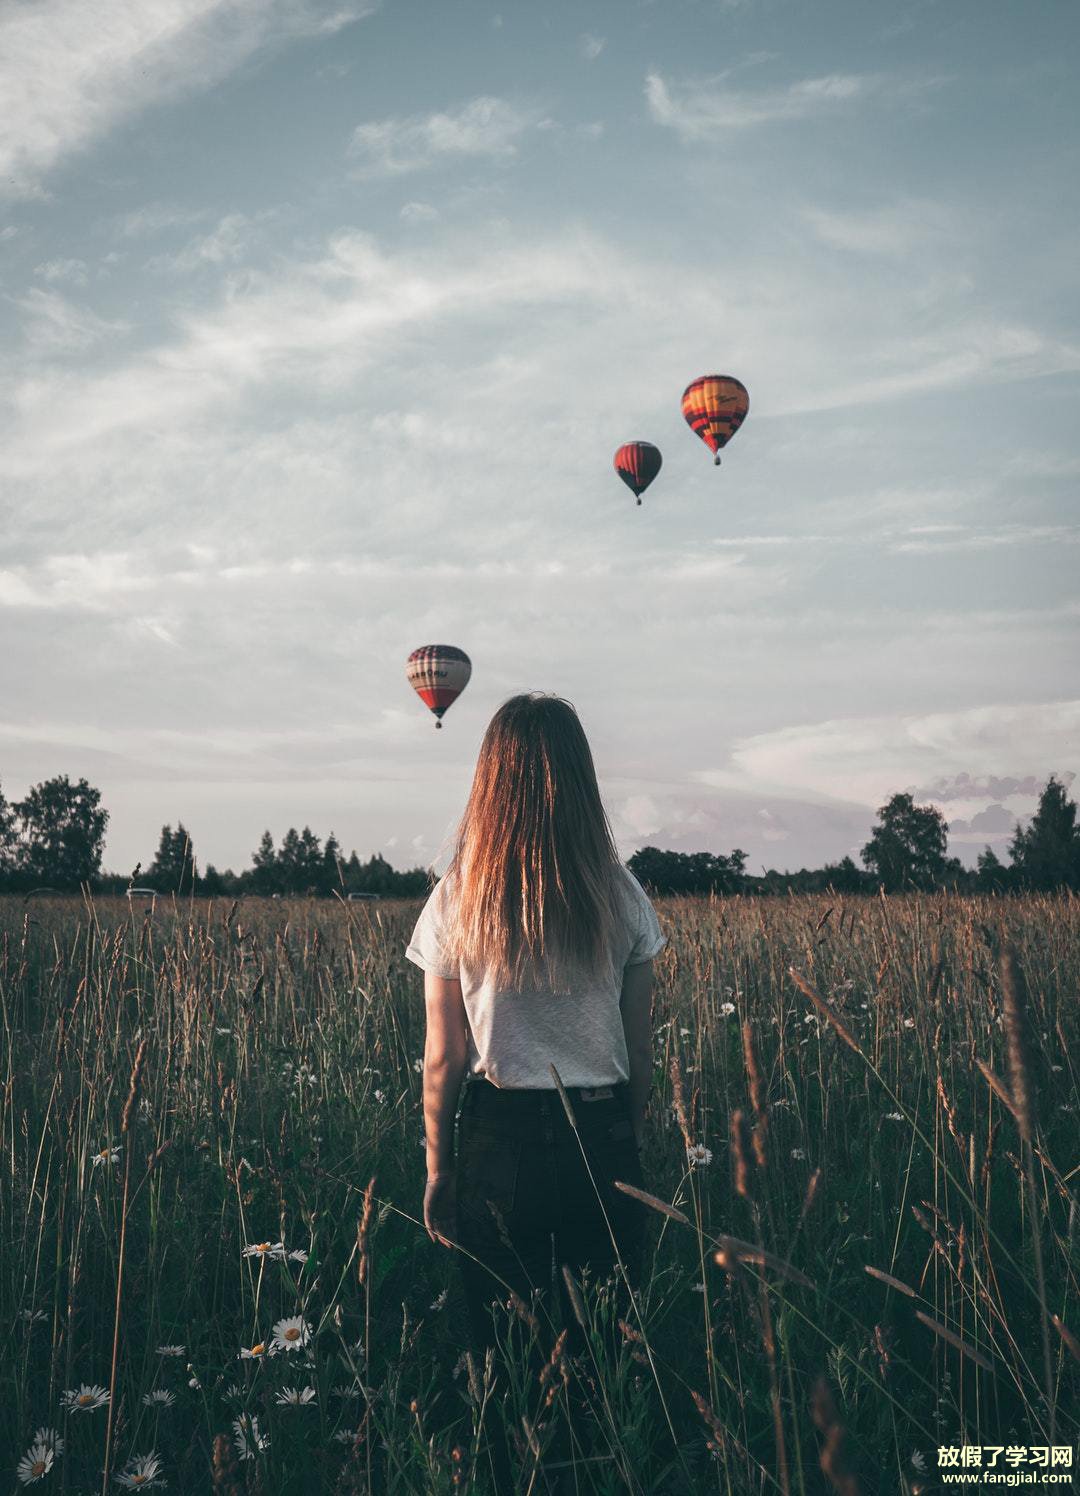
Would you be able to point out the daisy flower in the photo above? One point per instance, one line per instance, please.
(380, 1096)
(107, 1156)
(909, 1023)
(798, 1152)
(298, 1255)
(248, 1438)
(256, 1352)
(894, 1116)
(141, 1471)
(345, 1435)
(291, 1333)
(159, 1398)
(275, 1250)
(918, 1461)
(295, 1397)
(439, 1301)
(50, 1437)
(171, 1350)
(418, 1066)
(85, 1399)
(698, 1155)
(726, 1010)
(32, 1316)
(35, 1464)
(234, 1393)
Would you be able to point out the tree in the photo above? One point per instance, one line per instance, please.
(63, 831)
(992, 875)
(299, 861)
(264, 867)
(688, 872)
(907, 848)
(9, 841)
(330, 866)
(173, 869)
(1047, 854)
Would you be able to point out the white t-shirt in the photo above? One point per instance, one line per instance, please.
(514, 1037)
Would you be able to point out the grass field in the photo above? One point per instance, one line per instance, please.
(873, 1254)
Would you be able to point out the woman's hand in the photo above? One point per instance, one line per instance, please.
(440, 1208)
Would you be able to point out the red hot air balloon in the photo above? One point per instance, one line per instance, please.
(438, 673)
(637, 464)
(715, 407)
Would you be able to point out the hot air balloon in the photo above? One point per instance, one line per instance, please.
(637, 464)
(715, 407)
(438, 673)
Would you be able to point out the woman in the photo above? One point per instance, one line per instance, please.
(537, 948)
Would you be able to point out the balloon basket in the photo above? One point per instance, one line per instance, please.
(716, 460)
(438, 727)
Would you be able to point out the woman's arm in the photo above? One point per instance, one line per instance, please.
(636, 1006)
(445, 1058)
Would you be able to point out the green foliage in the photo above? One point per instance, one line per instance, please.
(173, 869)
(1047, 854)
(688, 872)
(62, 833)
(907, 848)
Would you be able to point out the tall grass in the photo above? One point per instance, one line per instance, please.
(862, 1147)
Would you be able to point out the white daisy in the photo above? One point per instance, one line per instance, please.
(291, 1334)
(249, 1439)
(32, 1316)
(345, 1436)
(257, 1351)
(918, 1461)
(275, 1250)
(50, 1437)
(697, 1288)
(107, 1156)
(798, 1152)
(894, 1116)
(298, 1255)
(909, 1023)
(141, 1471)
(234, 1393)
(295, 1397)
(159, 1398)
(698, 1155)
(380, 1097)
(418, 1066)
(35, 1464)
(171, 1350)
(85, 1399)
(685, 1033)
(350, 1391)
(439, 1301)
(726, 1010)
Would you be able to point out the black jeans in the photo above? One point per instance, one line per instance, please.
(524, 1192)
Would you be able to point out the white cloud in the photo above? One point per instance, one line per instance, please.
(416, 212)
(54, 325)
(224, 245)
(868, 758)
(698, 110)
(63, 270)
(487, 127)
(591, 46)
(70, 70)
(896, 229)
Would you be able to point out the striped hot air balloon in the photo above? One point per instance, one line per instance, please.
(637, 464)
(715, 407)
(438, 673)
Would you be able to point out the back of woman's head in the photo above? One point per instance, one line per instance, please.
(535, 863)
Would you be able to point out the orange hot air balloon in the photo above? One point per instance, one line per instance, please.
(438, 673)
(637, 464)
(715, 407)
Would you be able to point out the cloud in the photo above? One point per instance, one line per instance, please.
(224, 245)
(63, 270)
(896, 229)
(590, 46)
(485, 127)
(71, 70)
(965, 786)
(54, 325)
(416, 212)
(869, 758)
(697, 111)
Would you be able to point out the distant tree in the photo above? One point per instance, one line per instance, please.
(845, 877)
(264, 867)
(1047, 854)
(9, 842)
(906, 849)
(330, 866)
(173, 869)
(992, 876)
(299, 861)
(62, 832)
(688, 872)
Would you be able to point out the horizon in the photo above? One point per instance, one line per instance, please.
(323, 321)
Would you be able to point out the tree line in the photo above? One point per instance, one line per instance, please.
(55, 837)
(907, 851)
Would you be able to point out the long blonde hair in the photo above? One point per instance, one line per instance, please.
(535, 863)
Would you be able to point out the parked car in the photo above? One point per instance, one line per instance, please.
(354, 897)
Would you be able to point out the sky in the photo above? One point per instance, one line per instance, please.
(320, 321)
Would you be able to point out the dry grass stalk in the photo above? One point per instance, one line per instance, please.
(678, 1097)
(362, 1230)
(954, 1340)
(757, 1097)
(711, 1422)
(653, 1202)
(1070, 1340)
(740, 1164)
(1014, 998)
(876, 1272)
(833, 1455)
(573, 1292)
(133, 1087)
(744, 1251)
(827, 1011)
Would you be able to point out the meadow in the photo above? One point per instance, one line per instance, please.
(862, 1143)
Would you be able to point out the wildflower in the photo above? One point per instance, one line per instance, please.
(35, 1464)
(291, 1333)
(159, 1398)
(226, 1033)
(345, 1435)
(249, 1438)
(698, 1155)
(439, 1301)
(275, 1250)
(85, 1399)
(909, 1023)
(894, 1116)
(349, 1391)
(697, 1288)
(171, 1350)
(684, 1033)
(193, 1380)
(257, 1352)
(726, 1010)
(917, 1461)
(295, 1397)
(109, 1156)
(298, 1255)
(32, 1316)
(798, 1152)
(50, 1437)
(234, 1393)
(380, 1096)
(142, 1471)
(418, 1066)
